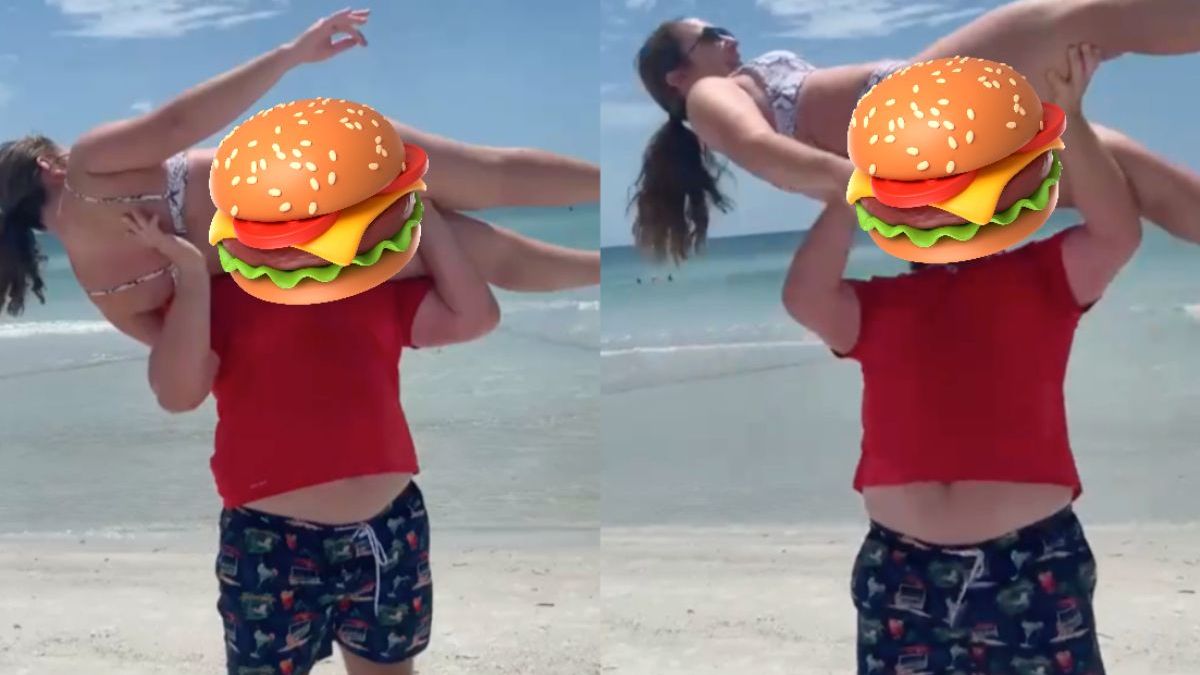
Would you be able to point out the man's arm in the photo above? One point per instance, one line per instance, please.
(1112, 230)
(460, 307)
(815, 293)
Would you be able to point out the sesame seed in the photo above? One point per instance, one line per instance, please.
(304, 143)
(286, 206)
(995, 84)
(280, 155)
(358, 126)
(350, 110)
(360, 112)
(948, 124)
(253, 167)
(922, 165)
(943, 101)
(1016, 98)
(1016, 107)
(874, 137)
(853, 121)
(227, 159)
(890, 102)
(344, 120)
(275, 192)
(1022, 111)
(299, 114)
(936, 73)
(941, 80)
(934, 124)
(916, 88)
(871, 113)
(375, 122)
(379, 139)
(1011, 125)
(950, 166)
(252, 144)
(303, 123)
(891, 125)
(378, 149)
(987, 85)
(871, 169)
(233, 154)
(912, 151)
(1012, 82)
(296, 153)
(278, 130)
(295, 165)
(981, 78)
(934, 111)
(314, 184)
(233, 211)
(383, 151)
(866, 121)
(310, 166)
(312, 208)
(251, 180)
(349, 126)
(912, 105)
(988, 69)
(889, 138)
(311, 103)
(900, 122)
(332, 178)
(918, 114)
(318, 112)
(970, 137)
(372, 166)
(953, 143)
(236, 180)
(956, 70)
(970, 113)
(262, 164)
(1041, 126)
(332, 156)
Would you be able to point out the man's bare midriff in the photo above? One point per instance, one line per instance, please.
(962, 513)
(351, 500)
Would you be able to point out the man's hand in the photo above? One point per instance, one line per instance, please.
(1067, 90)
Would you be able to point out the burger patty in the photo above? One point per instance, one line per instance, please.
(384, 227)
(1021, 186)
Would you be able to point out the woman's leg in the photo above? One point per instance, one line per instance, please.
(515, 262)
(1032, 36)
(1169, 195)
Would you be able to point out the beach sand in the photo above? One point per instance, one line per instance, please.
(770, 601)
(508, 604)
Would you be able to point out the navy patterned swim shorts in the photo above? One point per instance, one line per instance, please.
(289, 588)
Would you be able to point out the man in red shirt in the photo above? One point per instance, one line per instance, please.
(324, 535)
(974, 561)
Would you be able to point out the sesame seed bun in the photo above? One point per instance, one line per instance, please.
(304, 159)
(991, 238)
(942, 117)
(351, 281)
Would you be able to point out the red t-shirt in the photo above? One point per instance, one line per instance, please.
(963, 371)
(309, 394)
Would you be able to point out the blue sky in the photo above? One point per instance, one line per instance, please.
(487, 71)
(1142, 96)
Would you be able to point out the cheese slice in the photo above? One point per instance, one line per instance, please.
(976, 204)
(338, 244)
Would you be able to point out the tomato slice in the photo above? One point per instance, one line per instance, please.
(1054, 123)
(417, 164)
(269, 236)
(910, 194)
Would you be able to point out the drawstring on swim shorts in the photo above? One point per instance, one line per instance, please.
(377, 552)
(976, 572)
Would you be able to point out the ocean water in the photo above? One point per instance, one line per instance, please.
(506, 427)
(717, 408)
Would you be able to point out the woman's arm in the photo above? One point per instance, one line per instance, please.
(461, 306)
(814, 292)
(182, 364)
(207, 108)
(1112, 230)
(470, 177)
(728, 120)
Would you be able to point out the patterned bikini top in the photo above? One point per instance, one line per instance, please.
(782, 75)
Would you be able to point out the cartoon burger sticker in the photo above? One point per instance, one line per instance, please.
(316, 201)
(954, 160)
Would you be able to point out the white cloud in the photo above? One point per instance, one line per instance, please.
(630, 115)
(141, 107)
(158, 18)
(841, 19)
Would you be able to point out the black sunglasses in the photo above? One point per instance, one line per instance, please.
(709, 35)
